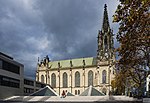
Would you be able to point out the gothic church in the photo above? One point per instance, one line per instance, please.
(75, 75)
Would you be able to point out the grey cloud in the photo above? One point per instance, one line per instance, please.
(62, 29)
(70, 22)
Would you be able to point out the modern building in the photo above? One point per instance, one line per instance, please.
(31, 86)
(11, 76)
(12, 81)
(76, 75)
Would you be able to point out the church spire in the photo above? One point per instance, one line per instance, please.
(105, 25)
(105, 40)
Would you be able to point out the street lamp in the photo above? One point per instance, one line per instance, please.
(109, 72)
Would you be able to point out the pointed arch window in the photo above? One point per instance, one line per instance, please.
(90, 78)
(105, 42)
(53, 80)
(104, 76)
(77, 79)
(65, 80)
(42, 78)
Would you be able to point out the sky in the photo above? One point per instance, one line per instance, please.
(61, 29)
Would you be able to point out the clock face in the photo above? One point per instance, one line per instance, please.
(106, 55)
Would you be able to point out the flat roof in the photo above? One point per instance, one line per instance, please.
(6, 55)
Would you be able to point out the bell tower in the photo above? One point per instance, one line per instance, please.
(105, 40)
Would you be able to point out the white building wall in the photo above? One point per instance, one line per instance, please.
(97, 78)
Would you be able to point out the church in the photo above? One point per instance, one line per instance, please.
(76, 75)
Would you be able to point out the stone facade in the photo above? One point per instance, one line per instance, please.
(75, 75)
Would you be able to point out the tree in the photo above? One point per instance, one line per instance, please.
(118, 84)
(134, 37)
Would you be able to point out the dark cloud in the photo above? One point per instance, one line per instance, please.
(62, 29)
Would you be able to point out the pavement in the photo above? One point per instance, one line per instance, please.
(73, 99)
(146, 100)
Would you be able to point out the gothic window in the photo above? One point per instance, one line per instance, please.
(104, 76)
(77, 79)
(42, 78)
(90, 78)
(105, 41)
(53, 80)
(65, 80)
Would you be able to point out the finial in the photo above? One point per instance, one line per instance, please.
(105, 7)
(38, 59)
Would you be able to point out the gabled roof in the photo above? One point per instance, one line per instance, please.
(90, 91)
(69, 94)
(78, 62)
(46, 91)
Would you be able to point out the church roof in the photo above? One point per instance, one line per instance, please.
(78, 62)
(90, 91)
(46, 91)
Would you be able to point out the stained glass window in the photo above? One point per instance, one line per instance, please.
(77, 79)
(90, 78)
(104, 76)
(53, 80)
(65, 80)
(42, 78)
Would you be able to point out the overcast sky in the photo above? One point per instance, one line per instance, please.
(62, 29)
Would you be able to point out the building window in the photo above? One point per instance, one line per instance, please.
(77, 79)
(78, 92)
(75, 92)
(10, 67)
(9, 82)
(28, 90)
(53, 80)
(0, 64)
(42, 78)
(28, 82)
(90, 78)
(65, 80)
(104, 76)
(105, 42)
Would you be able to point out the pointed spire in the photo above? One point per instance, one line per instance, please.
(105, 25)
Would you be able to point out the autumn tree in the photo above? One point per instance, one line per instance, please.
(134, 38)
(118, 84)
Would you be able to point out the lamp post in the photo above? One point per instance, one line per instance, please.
(109, 73)
(98, 75)
(71, 65)
(59, 75)
(84, 72)
(109, 78)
